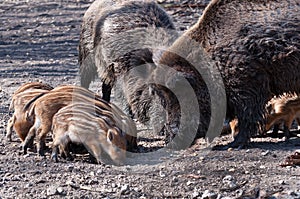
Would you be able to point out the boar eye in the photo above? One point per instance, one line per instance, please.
(110, 136)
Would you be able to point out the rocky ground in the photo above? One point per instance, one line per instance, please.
(38, 41)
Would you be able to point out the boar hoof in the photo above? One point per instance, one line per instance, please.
(69, 158)
(54, 157)
(41, 152)
(24, 148)
(287, 132)
(8, 138)
(240, 142)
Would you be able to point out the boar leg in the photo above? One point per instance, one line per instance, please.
(9, 127)
(275, 130)
(96, 151)
(59, 142)
(40, 145)
(286, 131)
(234, 127)
(273, 119)
(65, 152)
(249, 106)
(92, 159)
(43, 130)
(106, 91)
(173, 115)
(29, 139)
(287, 126)
(298, 122)
(54, 153)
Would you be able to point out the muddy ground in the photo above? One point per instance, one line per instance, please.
(38, 41)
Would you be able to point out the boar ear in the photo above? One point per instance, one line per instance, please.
(110, 135)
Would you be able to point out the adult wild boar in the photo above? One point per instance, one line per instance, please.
(117, 36)
(255, 46)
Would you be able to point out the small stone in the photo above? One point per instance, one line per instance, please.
(230, 149)
(232, 185)
(128, 168)
(105, 182)
(28, 185)
(70, 168)
(195, 194)
(92, 181)
(60, 190)
(51, 191)
(281, 182)
(265, 153)
(229, 182)
(262, 167)
(11, 189)
(231, 170)
(228, 178)
(209, 195)
(26, 156)
(189, 183)
(124, 188)
(162, 174)
(92, 173)
(99, 171)
(175, 179)
(113, 185)
(294, 194)
(161, 1)
(71, 183)
(239, 192)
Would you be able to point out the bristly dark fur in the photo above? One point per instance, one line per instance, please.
(256, 47)
(118, 17)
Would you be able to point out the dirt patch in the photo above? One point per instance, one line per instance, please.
(38, 41)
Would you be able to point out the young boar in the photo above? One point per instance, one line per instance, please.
(113, 116)
(280, 109)
(84, 124)
(20, 98)
(285, 108)
(32, 85)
